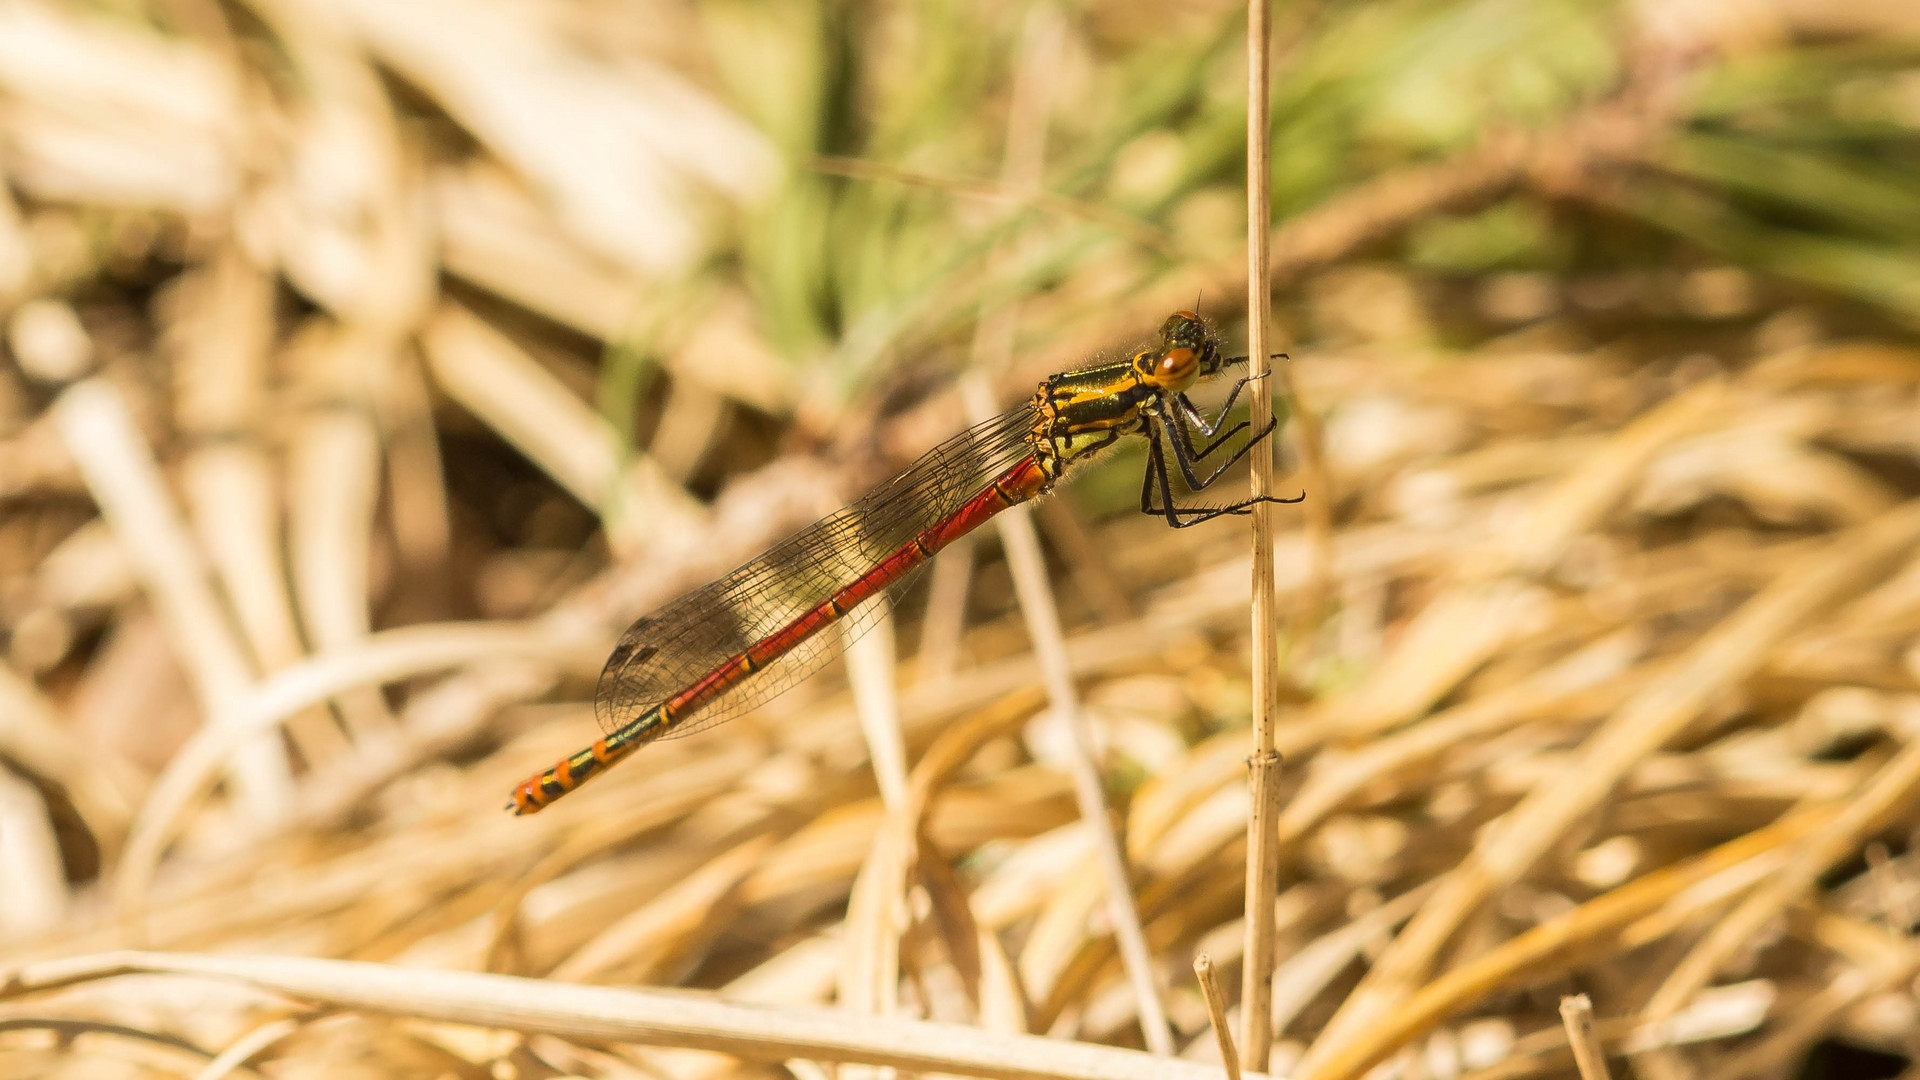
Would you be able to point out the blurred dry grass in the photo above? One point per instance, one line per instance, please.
(371, 364)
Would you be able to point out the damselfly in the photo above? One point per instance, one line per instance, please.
(727, 647)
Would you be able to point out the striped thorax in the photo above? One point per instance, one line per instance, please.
(1080, 413)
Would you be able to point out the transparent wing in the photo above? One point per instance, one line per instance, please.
(673, 648)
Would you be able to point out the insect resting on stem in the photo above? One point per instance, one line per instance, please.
(737, 642)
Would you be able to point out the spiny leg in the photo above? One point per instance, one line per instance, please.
(1184, 456)
(1157, 470)
(1186, 435)
(1193, 412)
(1200, 422)
(1191, 419)
(1194, 420)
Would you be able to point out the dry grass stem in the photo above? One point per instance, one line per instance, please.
(871, 661)
(1036, 605)
(68, 1030)
(648, 1018)
(334, 490)
(1217, 1014)
(1576, 1012)
(1263, 766)
(877, 907)
(944, 627)
(36, 895)
(235, 1057)
(124, 478)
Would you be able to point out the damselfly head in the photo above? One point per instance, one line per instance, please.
(1182, 328)
(1187, 351)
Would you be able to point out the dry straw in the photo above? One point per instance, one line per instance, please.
(369, 367)
(1263, 765)
(1576, 1012)
(643, 1017)
(1217, 1013)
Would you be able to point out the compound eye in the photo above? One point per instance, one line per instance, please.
(1175, 363)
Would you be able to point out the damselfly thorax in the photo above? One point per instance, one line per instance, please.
(1080, 413)
(731, 645)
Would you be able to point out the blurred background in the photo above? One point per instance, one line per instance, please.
(370, 364)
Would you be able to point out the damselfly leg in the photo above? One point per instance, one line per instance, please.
(1190, 422)
(1186, 458)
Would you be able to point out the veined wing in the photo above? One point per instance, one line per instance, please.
(675, 647)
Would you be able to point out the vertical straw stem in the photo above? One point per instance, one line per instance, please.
(1217, 1011)
(1576, 1012)
(1256, 993)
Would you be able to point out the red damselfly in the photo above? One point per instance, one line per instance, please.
(727, 647)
